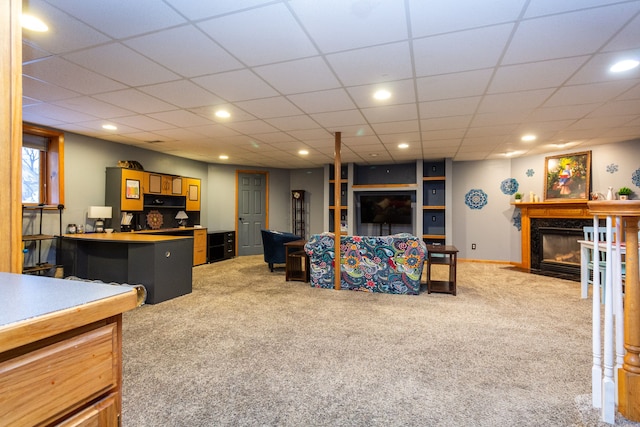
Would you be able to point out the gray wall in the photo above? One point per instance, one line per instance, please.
(491, 228)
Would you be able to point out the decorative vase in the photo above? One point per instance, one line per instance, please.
(624, 197)
(610, 193)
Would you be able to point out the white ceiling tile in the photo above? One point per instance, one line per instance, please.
(514, 101)
(551, 7)
(499, 118)
(274, 137)
(561, 113)
(141, 122)
(402, 92)
(293, 123)
(182, 93)
(85, 103)
(310, 134)
(253, 35)
(461, 51)
(65, 74)
(451, 122)
(339, 118)
(390, 113)
(453, 85)
(286, 77)
(373, 64)
(37, 88)
(321, 101)
(32, 53)
(535, 75)
(135, 100)
(180, 118)
(570, 34)
(448, 107)
(622, 107)
(55, 112)
(252, 126)
(628, 38)
(186, 51)
(214, 130)
(597, 69)
(122, 18)
(444, 16)
(70, 36)
(198, 9)
(266, 108)
(131, 68)
(594, 93)
(396, 127)
(337, 25)
(397, 138)
(225, 85)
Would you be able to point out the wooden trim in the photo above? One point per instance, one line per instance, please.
(11, 145)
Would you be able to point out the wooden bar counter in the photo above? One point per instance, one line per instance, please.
(163, 264)
(61, 351)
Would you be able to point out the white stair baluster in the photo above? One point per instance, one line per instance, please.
(596, 369)
(608, 384)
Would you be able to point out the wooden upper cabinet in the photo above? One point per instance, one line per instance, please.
(156, 183)
(192, 193)
(131, 195)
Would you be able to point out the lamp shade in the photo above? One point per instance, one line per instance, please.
(182, 215)
(101, 212)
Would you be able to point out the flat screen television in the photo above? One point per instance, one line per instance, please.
(385, 209)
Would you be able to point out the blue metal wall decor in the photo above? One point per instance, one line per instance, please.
(636, 178)
(517, 219)
(530, 172)
(509, 186)
(475, 199)
(612, 168)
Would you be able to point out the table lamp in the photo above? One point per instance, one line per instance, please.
(99, 213)
(182, 219)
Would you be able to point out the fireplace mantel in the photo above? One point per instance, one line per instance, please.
(561, 209)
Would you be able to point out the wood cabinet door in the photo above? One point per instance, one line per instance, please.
(177, 186)
(131, 197)
(193, 194)
(103, 413)
(154, 185)
(199, 246)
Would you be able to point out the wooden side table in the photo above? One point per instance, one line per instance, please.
(297, 261)
(443, 255)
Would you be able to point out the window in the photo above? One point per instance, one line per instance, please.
(42, 166)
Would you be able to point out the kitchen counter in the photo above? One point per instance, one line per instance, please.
(60, 350)
(135, 237)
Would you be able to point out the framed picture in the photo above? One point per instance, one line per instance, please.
(132, 189)
(568, 176)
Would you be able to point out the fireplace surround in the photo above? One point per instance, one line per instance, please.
(560, 215)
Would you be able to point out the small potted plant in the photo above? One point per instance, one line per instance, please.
(624, 193)
(518, 197)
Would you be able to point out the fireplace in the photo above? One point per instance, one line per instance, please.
(560, 250)
(554, 246)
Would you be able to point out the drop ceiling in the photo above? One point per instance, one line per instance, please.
(468, 78)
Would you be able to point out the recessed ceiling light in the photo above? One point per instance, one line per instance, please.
(403, 145)
(626, 65)
(32, 23)
(382, 95)
(223, 157)
(223, 114)
(109, 127)
(303, 152)
(373, 154)
(512, 153)
(529, 137)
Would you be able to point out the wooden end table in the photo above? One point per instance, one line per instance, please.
(297, 261)
(442, 255)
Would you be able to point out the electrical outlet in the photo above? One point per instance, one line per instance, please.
(473, 246)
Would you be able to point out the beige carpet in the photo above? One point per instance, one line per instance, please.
(247, 348)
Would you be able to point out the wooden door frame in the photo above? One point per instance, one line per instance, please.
(266, 199)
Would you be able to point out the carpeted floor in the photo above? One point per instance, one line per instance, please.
(247, 348)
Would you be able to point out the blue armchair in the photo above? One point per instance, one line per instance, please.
(273, 243)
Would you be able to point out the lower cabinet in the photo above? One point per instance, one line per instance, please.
(199, 246)
(222, 245)
(65, 376)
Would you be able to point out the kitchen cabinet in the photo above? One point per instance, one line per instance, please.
(199, 246)
(193, 194)
(169, 185)
(124, 188)
(61, 351)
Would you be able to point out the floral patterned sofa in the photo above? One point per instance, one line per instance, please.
(391, 264)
